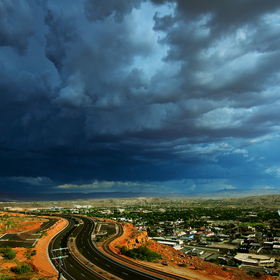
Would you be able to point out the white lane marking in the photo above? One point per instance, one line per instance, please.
(124, 273)
(108, 265)
(91, 244)
(83, 274)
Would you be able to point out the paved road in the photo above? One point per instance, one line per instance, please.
(89, 251)
(71, 269)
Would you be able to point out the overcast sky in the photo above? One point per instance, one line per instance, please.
(156, 96)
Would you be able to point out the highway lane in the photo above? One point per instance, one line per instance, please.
(90, 252)
(70, 267)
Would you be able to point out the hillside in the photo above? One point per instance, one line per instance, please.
(271, 200)
(175, 261)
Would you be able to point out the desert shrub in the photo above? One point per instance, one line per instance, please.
(5, 277)
(141, 253)
(21, 269)
(10, 253)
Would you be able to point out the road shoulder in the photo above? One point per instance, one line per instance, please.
(41, 260)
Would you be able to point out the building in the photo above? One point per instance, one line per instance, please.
(256, 260)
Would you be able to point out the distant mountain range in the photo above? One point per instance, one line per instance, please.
(230, 193)
(10, 197)
(225, 193)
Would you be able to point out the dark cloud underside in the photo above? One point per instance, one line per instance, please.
(151, 93)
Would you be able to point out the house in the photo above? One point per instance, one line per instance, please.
(254, 248)
(208, 233)
(168, 240)
(119, 210)
(238, 241)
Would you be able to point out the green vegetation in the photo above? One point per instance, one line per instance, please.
(8, 252)
(142, 253)
(6, 277)
(30, 253)
(21, 269)
(5, 216)
(224, 268)
(43, 233)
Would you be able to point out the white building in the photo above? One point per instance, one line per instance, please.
(256, 260)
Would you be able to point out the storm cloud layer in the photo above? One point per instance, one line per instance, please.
(158, 96)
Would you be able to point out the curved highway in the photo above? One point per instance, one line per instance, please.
(61, 258)
(90, 252)
(72, 269)
(111, 265)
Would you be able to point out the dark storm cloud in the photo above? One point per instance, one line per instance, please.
(100, 10)
(197, 29)
(175, 92)
(16, 24)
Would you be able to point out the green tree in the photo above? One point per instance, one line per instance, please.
(142, 253)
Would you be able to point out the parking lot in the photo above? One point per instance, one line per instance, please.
(109, 228)
(25, 239)
(15, 240)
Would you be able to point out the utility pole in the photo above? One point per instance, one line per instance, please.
(60, 260)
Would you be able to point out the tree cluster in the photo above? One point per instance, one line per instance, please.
(142, 253)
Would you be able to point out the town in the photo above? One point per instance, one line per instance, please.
(230, 236)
